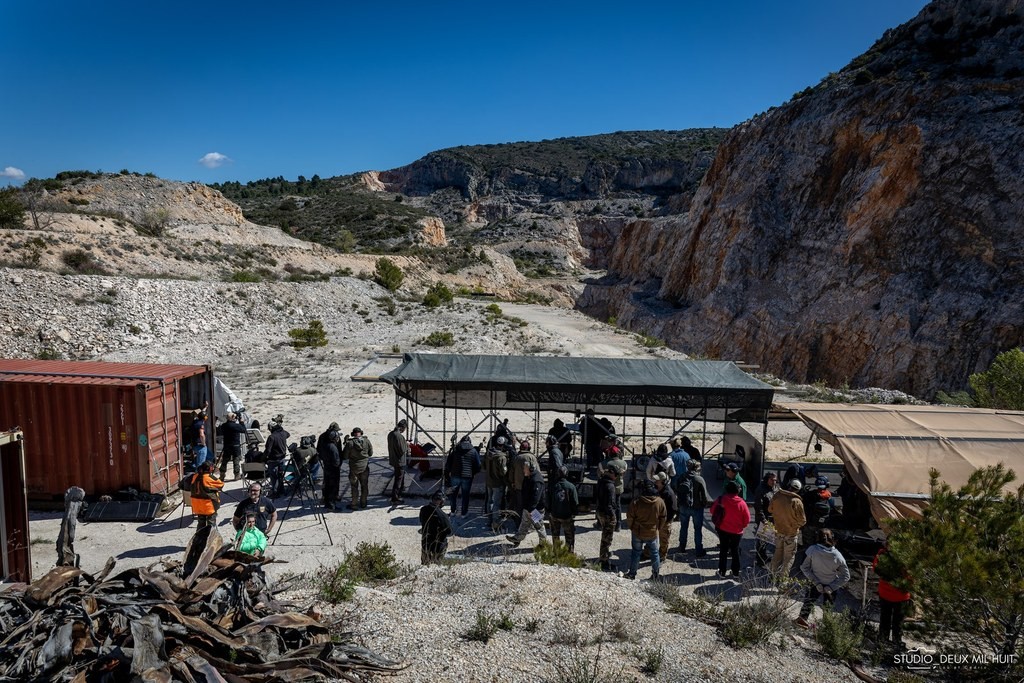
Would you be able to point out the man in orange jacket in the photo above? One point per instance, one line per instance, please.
(205, 489)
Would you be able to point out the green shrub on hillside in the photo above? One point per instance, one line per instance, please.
(312, 336)
(437, 295)
(1002, 385)
(388, 275)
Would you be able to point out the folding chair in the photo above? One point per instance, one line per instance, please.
(186, 502)
(255, 472)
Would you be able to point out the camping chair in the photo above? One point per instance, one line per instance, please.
(186, 502)
(255, 472)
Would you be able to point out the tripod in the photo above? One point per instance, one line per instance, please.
(302, 480)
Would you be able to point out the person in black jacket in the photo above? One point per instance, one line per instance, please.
(435, 528)
(461, 467)
(330, 458)
(608, 512)
(275, 452)
(532, 503)
(232, 431)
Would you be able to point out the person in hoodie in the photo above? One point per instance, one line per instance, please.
(666, 493)
(646, 515)
(826, 569)
(435, 528)
(563, 435)
(565, 502)
(532, 501)
(732, 520)
(787, 511)
(661, 461)
(462, 465)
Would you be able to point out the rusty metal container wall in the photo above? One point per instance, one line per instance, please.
(76, 435)
(160, 454)
(101, 426)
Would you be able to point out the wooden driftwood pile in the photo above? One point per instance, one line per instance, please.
(209, 619)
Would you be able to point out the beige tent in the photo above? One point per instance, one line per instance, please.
(889, 449)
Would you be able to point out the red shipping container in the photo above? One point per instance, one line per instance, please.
(101, 426)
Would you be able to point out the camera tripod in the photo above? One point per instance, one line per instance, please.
(305, 489)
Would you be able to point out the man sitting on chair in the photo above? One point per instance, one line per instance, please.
(259, 505)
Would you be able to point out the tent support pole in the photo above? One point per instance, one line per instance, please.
(764, 449)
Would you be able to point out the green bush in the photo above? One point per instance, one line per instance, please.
(82, 262)
(244, 276)
(696, 607)
(438, 339)
(369, 563)
(1002, 385)
(388, 275)
(839, 636)
(312, 336)
(752, 622)
(651, 660)
(556, 554)
(483, 628)
(437, 295)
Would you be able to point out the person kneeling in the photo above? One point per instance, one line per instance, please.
(250, 539)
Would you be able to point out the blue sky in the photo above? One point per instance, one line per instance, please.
(328, 88)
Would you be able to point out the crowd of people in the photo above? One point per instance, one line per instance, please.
(537, 493)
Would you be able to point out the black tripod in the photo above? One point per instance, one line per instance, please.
(305, 489)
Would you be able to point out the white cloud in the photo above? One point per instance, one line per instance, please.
(214, 160)
(13, 173)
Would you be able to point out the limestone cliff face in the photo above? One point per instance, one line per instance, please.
(868, 231)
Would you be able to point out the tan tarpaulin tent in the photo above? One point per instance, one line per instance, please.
(889, 449)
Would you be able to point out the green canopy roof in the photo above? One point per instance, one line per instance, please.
(657, 388)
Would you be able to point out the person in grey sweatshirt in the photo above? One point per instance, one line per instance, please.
(826, 569)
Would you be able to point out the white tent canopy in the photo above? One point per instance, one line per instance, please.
(889, 450)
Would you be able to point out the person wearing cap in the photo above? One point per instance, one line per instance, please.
(613, 457)
(661, 461)
(357, 451)
(435, 528)
(249, 539)
(763, 495)
(274, 453)
(817, 508)
(232, 432)
(307, 455)
(646, 515)
(532, 502)
(563, 506)
(668, 496)
(496, 471)
(515, 473)
(607, 509)
(787, 512)
(398, 455)
(732, 473)
(256, 504)
(205, 489)
(328, 449)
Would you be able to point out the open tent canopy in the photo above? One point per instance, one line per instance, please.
(889, 450)
(680, 389)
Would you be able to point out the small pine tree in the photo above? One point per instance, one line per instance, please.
(312, 336)
(388, 275)
(12, 211)
(963, 566)
(1002, 385)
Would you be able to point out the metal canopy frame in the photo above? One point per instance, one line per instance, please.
(682, 407)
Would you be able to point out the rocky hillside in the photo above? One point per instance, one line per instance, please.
(554, 206)
(867, 231)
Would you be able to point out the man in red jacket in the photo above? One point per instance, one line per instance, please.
(732, 517)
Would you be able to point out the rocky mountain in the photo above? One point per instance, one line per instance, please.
(867, 231)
